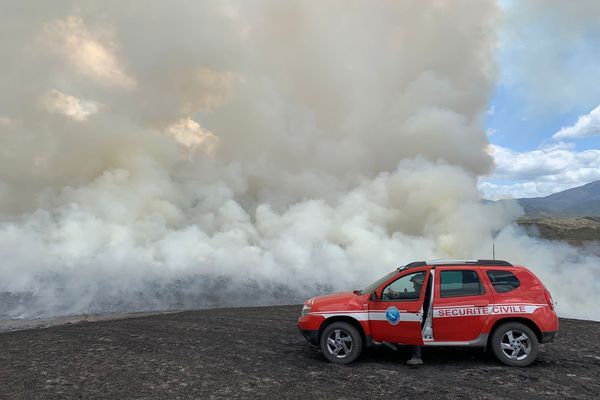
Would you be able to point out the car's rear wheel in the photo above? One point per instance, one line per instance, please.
(515, 344)
(341, 343)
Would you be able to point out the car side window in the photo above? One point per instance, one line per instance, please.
(407, 287)
(456, 283)
(503, 281)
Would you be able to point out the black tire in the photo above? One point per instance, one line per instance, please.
(348, 344)
(521, 351)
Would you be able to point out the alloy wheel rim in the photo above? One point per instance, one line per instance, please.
(339, 343)
(515, 345)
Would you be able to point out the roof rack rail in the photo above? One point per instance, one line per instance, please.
(413, 264)
(446, 261)
(494, 262)
(449, 261)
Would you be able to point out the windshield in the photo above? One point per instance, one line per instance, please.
(369, 289)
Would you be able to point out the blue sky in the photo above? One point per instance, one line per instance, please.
(549, 77)
(515, 128)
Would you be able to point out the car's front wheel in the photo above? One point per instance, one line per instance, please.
(515, 344)
(341, 343)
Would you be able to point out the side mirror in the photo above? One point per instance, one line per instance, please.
(373, 296)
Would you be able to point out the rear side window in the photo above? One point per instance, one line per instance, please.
(503, 281)
(457, 283)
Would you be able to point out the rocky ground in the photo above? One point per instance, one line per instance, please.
(258, 353)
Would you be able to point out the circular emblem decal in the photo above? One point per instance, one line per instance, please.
(392, 315)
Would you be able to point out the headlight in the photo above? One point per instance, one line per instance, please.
(305, 310)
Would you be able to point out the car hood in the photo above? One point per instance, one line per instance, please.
(337, 301)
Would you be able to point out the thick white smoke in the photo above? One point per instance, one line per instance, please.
(179, 154)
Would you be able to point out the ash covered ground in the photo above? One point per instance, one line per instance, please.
(259, 353)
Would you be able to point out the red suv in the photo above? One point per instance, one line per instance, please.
(476, 303)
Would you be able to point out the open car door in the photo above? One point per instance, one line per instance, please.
(396, 315)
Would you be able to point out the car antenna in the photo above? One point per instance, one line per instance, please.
(493, 251)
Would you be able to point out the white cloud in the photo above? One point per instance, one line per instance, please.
(586, 126)
(539, 172)
(517, 190)
(70, 106)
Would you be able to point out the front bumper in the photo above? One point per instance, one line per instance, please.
(309, 326)
(311, 336)
(549, 336)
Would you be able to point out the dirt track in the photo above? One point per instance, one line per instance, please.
(259, 353)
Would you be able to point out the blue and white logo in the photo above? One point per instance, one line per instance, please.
(392, 315)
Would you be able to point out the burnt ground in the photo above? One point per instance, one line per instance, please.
(259, 353)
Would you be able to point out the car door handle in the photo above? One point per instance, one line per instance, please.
(481, 304)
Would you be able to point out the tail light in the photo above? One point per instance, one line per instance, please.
(549, 299)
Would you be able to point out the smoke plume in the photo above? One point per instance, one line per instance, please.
(193, 154)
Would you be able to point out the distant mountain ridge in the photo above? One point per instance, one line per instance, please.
(576, 202)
